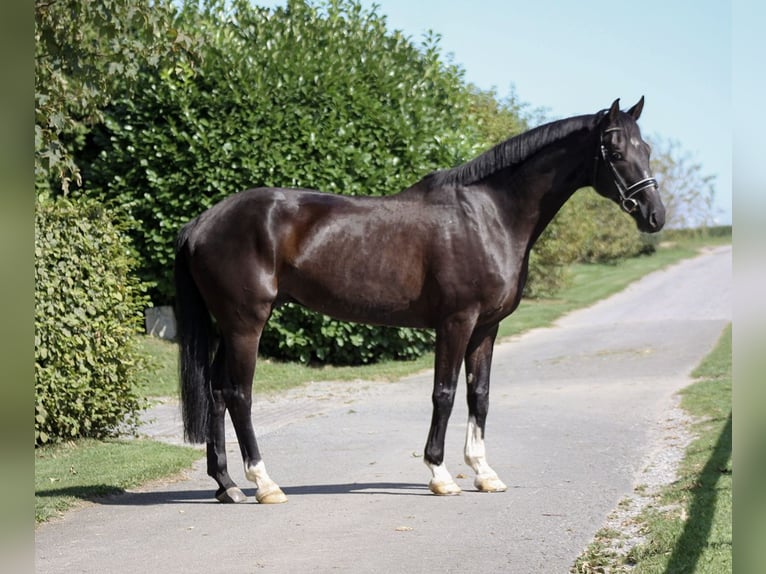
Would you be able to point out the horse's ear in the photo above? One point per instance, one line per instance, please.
(614, 111)
(635, 111)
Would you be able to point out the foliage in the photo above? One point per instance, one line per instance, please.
(607, 234)
(712, 234)
(498, 118)
(87, 308)
(85, 52)
(294, 334)
(304, 96)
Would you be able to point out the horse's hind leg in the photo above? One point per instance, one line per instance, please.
(241, 353)
(216, 446)
(478, 360)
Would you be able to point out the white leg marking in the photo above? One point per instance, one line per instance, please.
(268, 490)
(441, 481)
(476, 457)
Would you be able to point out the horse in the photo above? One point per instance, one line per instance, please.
(449, 253)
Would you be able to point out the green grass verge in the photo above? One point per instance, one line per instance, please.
(69, 473)
(688, 528)
(692, 529)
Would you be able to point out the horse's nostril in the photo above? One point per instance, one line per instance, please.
(653, 220)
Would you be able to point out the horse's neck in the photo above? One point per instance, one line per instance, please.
(553, 178)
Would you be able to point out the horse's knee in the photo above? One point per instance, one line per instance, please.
(443, 398)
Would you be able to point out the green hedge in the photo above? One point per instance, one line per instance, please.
(319, 96)
(295, 334)
(88, 307)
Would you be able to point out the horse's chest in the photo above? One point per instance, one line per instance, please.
(500, 289)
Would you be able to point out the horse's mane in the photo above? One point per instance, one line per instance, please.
(511, 152)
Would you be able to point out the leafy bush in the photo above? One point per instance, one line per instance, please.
(294, 334)
(607, 234)
(85, 52)
(323, 97)
(87, 309)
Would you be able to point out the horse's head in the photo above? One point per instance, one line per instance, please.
(622, 171)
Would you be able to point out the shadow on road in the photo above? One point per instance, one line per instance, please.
(392, 488)
(114, 496)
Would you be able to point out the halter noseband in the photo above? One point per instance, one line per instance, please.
(628, 204)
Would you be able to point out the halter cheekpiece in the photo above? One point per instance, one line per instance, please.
(627, 192)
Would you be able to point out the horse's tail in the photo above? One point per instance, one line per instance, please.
(195, 336)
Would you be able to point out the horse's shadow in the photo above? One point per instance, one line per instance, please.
(387, 488)
(119, 497)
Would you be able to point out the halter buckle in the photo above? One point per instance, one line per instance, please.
(629, 205)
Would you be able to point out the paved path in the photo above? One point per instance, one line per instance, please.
(575, 412)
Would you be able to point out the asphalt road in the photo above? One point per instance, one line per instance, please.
(575, 410)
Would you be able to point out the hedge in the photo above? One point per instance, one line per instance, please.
(88, 306)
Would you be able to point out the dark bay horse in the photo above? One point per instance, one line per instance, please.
(449, 253)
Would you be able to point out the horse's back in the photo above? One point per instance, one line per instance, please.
(356, 258)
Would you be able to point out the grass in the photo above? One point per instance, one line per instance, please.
(70, 473)
(271, 376)
(66, 475)
(688, 528)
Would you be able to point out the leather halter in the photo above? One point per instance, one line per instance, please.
(627, 192)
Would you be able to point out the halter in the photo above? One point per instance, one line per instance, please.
(628, 204)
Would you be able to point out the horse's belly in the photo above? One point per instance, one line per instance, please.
(393, 298)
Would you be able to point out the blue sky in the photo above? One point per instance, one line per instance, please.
(576, 57)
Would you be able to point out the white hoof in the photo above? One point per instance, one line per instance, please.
(444, 488)
(271, 496)
(490, 483)
(268, 492)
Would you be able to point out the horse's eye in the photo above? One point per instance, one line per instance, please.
(616, 155)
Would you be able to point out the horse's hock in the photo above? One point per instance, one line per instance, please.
(160, 322)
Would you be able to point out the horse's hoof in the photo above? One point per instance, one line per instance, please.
(271, 496)
(444, 488)
(231, 495)
(489, 484)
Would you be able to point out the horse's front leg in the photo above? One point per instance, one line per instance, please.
(451, 341)
(478, 360)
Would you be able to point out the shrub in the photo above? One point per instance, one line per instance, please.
(323, 97)
(318, 96)
(295, 334)
(607, 233)
(87, 309)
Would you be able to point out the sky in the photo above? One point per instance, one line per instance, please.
(576, 57)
